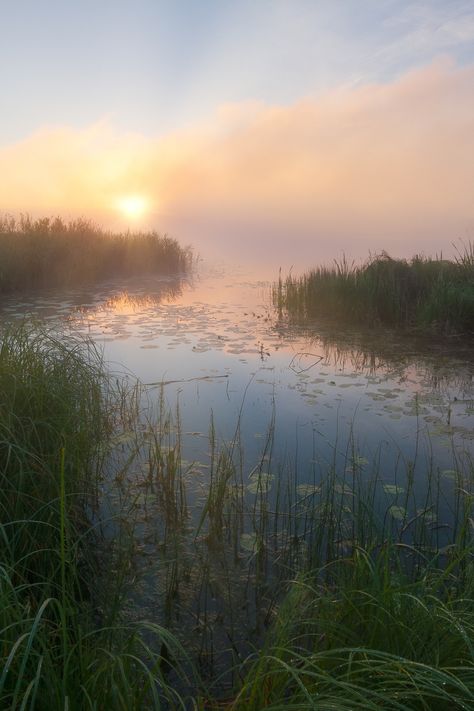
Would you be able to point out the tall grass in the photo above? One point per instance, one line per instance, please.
(372, 637)
(50, 252)
(63, 645)
(432, 294)
(381, 612)
(354, 585)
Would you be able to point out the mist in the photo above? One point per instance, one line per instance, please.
(356, 170)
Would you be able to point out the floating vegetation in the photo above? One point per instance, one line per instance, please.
(398, 512)
(393, 489)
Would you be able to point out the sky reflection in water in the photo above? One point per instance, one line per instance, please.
(217, 345)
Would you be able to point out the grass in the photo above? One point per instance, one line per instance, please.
(63, 643)
(363, 633)
(334, 588)
(429, 294)
(352, 591)
(49, 252)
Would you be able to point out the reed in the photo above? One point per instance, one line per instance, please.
(429, 294)
(351, 586)
(62, 645)
(49, 252)
(381, 615)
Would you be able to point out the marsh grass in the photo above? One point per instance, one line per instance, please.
(62, 643)
(431, 294)
(380, 615)
(341, 586)
(50, 252)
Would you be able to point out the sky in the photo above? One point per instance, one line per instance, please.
(285, 131)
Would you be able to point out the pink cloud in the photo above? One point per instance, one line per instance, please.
(379, 166)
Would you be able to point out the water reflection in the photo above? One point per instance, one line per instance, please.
(307, 413)
(126, 296)
(211, 337)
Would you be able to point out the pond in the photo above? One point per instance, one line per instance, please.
(265, 414)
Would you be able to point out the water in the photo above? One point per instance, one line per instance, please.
(296, 402)
(216, 344)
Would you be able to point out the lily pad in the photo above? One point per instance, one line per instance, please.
(261, 484)
(248, 541)
(450, 473)
(397, 512)
(124, 438)
(307, 489)
(393, 489)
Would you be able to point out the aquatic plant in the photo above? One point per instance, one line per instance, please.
(312, 569)
(430, 294)
(63, 642)
(49, 252)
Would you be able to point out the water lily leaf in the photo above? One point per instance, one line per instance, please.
(261, 484)
(359, 461)
(248, 541)
(426, 515)
(393, 489)
(398, 512)
(450, 473)
(124, 438)
(344, 490)
(308, 489)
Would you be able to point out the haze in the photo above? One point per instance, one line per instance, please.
(274, 133)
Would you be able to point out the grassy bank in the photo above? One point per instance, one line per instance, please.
(352, 588)
(431, 294)
(50, 252)
(63, 641)
(362, 633)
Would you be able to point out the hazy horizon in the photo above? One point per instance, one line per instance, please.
(274, 133)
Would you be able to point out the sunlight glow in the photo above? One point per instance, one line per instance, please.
(133, 206)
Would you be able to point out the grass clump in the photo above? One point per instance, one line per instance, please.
(63, 642)
(356, 593)
(370, 632)
(425, 293)
(50, 252)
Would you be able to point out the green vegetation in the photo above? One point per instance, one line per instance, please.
(364, 633)
(50, 252)
(355, 587)
(335, 587)
(431, 294)
(63, 643)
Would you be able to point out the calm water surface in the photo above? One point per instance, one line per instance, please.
(215, 344)
(303, 401)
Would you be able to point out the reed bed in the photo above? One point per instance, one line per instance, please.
(49, 252)
(429, 294)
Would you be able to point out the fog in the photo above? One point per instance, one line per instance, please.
(356, 170)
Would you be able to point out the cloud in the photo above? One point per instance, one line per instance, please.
(379, 166)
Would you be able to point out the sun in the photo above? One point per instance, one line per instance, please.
(132, 206)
